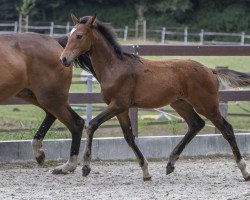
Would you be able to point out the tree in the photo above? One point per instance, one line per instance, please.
(26, 6)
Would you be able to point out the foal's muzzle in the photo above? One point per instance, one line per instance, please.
(65, 62)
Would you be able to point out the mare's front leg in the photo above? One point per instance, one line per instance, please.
(130, 139)
(111, 111)
(75, 124)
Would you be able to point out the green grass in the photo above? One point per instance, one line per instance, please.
(30, 117)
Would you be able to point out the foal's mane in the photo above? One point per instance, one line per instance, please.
(109, 34)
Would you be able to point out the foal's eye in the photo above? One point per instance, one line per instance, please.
(78, 37)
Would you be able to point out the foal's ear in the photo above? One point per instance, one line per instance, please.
(91, 21)
(74, 19)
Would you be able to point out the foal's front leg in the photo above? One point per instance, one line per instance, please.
(111, 111)
(130, 139)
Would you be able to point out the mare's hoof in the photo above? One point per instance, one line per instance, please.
(40, 159)
(247, 178)
(85, 171)
(170, 168)
(147, 178)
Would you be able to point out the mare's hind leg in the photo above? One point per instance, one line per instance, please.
(227, 131)
(130, 139)
(37, 142)
(195, 124)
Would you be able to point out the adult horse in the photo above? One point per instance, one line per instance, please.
(30, 69)
(130, 81)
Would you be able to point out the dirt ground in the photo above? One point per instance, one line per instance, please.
(205, 178)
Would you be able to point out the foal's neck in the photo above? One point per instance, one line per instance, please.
(102, 55)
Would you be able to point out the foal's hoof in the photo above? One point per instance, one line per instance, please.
(85, 170)
(147, 178)
(170, 168)
(58, 171)
(247, 178)
(40, 159)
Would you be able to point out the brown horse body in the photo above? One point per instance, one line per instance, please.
(30, 69)
(128, 81)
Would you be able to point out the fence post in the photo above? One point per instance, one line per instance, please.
(201, 37)
(89, 106)
(136, 29)
(125, 37)
(133, 115)
(144, 30)
(51, 29)
(223, 105)
(185, 35)
(67, 28)
(163, 33)
(242, 41)
(15, 27)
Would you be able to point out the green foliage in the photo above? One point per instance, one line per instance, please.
(26, 6)
(223, 15)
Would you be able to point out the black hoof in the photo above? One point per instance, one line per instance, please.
(170, 168)
(58, 171)
(247, 178)
(40, 159)
(147, 178)
(85, 171)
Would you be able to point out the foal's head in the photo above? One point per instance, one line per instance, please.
(79, 41)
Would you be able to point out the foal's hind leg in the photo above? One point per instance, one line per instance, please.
(195, 124)
(227, 131)
(130, 139)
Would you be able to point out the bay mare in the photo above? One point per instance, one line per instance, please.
(131, 81)
(30, 69)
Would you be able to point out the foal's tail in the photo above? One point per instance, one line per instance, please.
(232, 78)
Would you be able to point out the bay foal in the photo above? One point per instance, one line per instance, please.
(130, 81)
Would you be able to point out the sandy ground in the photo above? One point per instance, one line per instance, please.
(216, 178)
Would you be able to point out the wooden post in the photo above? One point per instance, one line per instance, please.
(144, 30)
(125, 37)
(89, 107)
(20, 23)
(223, 105)
(202, 37)
(133, 115)
(242, 41)
(67, 28)
(51, 29)
(136, 29)
(163, 33)
(16, 27)
(185, 35)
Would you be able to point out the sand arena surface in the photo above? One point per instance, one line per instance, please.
(205, 178)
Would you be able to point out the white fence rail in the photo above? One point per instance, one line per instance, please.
(166, 34)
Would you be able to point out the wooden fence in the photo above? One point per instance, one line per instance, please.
(166, 50)
(163, 35)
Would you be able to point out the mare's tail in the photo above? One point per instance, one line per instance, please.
(232, 78)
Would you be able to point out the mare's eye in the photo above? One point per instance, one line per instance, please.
(78, 37)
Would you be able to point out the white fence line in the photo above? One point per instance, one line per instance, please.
(164, 33)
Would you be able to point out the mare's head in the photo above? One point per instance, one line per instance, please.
(79, 41)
